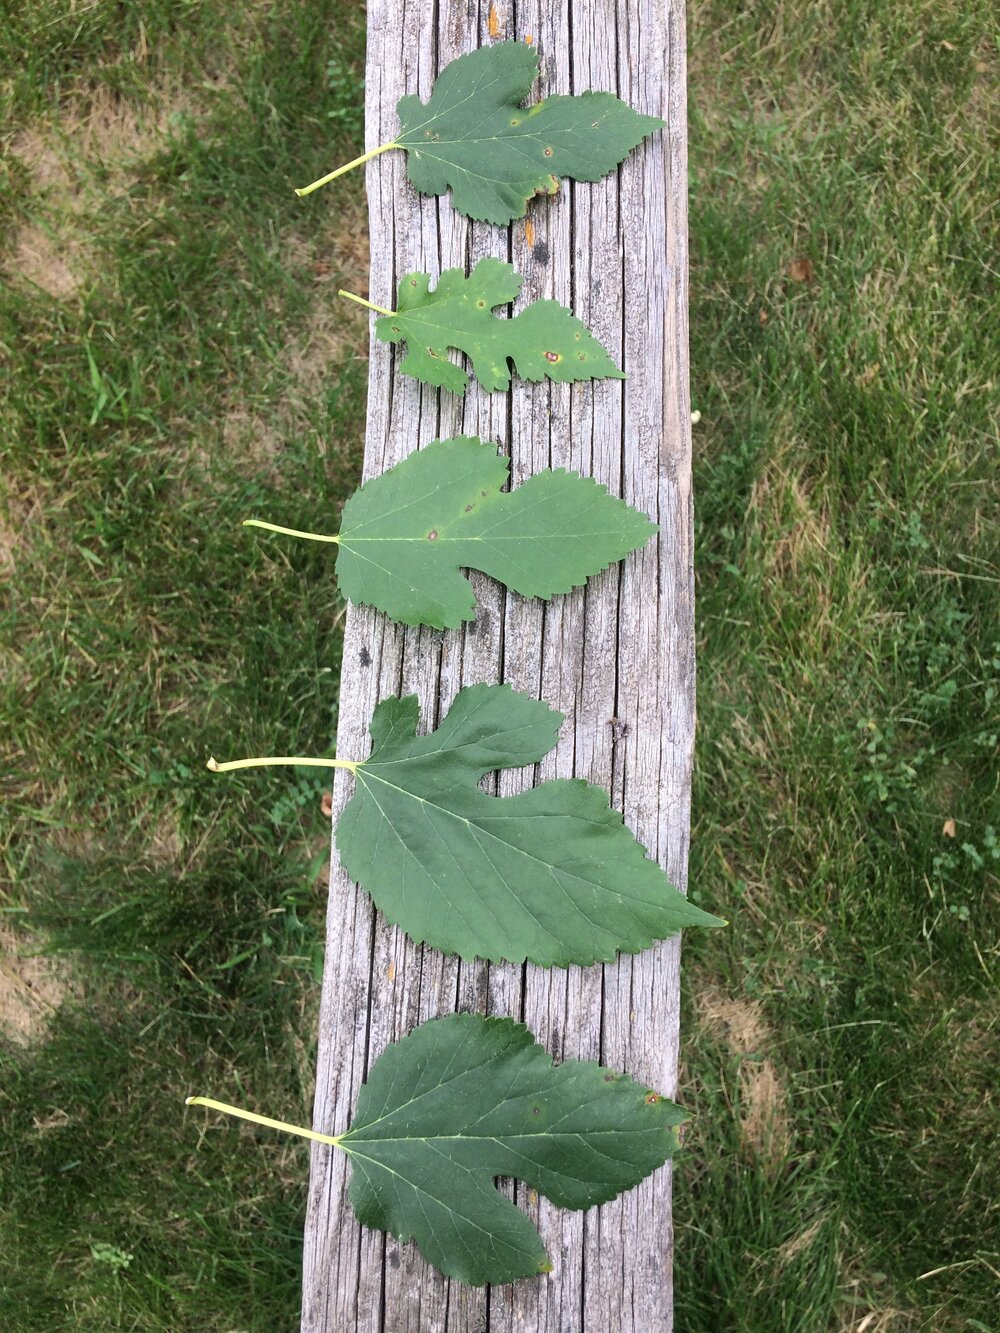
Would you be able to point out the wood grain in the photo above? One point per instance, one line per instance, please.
(617, 657)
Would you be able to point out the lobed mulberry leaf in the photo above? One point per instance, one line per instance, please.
(464, 1099)
(406, 535)
(544, 341)
(551, 875)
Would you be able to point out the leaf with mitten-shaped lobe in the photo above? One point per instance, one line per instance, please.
(551, 875)
(465, 1099)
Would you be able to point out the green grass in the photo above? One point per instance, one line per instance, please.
(171, 361)
(182, 369)
(848, 560)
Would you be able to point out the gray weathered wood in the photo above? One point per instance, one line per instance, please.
(617, 657)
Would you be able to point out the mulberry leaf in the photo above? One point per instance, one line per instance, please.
(544, 341)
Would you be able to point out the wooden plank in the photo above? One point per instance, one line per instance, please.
(616, 657)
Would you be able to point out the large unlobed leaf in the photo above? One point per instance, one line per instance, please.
(550, 875)
(406, 535)
(465, 1099)
(544, 341)
(473, 138)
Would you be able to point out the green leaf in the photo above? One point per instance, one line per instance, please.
(405, 535)
(472, 138)
(550, 875)
(465, 1099)
(545, 341)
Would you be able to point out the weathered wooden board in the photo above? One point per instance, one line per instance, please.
(617, 657)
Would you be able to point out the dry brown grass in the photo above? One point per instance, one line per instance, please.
(31, 989)
(762, 1100)
(75, 166)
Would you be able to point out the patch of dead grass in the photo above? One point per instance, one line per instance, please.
(336, 329)
(31, 990)
(763, 1111)
(74, 167)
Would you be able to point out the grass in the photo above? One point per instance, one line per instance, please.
(174, 365)
(840, 1038)
(174, 362)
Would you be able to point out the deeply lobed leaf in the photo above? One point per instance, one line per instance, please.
(545, 341)
(406, 535)
(473, 138)
(464, 1099)
(551, 875)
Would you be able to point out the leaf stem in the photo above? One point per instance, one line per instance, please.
(348, 166)
(286, 760)
(379, 309)
(289, 532)
(255, 1119)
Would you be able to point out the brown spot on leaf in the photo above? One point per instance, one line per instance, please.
(552, 356)
(469, 508)
(432, 535)
(547, 152)
(652, 1098)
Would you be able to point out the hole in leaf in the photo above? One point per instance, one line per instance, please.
(552, 356)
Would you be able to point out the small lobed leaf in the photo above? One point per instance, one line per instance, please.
(464, 1099)
(473, 138)
(551, 875)
(406, 535)
(544, 341)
